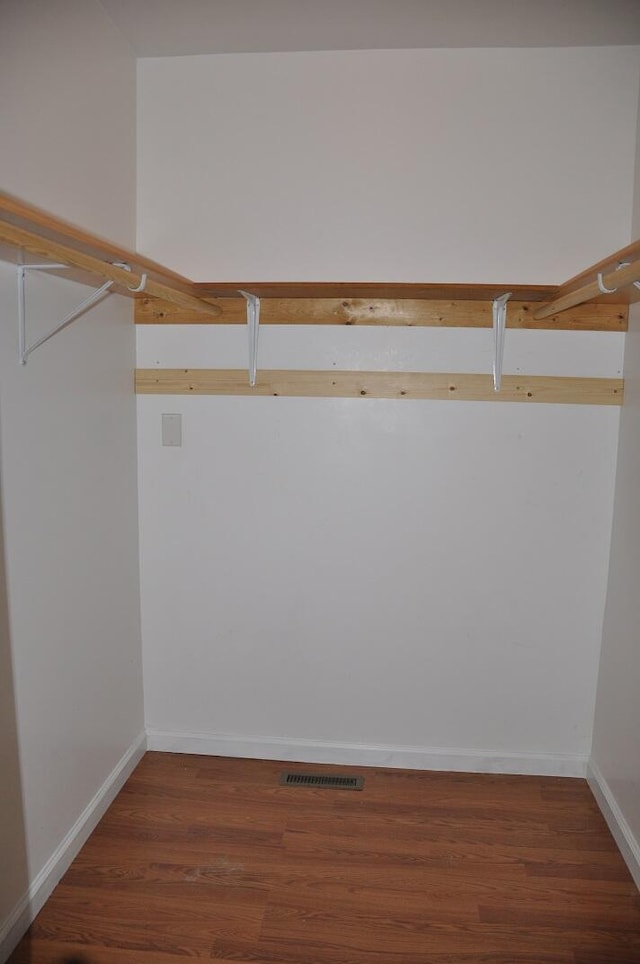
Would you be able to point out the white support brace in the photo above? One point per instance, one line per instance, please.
(253, 326)
(26, 350)
(499, 323)
(95, 296)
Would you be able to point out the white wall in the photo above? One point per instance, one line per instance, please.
(231, 26)
(412, 165)
(323, 578)
(615, 761)
(14, 877)
(68, 432)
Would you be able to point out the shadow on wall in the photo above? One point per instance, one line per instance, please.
(14, 877)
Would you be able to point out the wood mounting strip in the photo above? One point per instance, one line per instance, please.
(384, 312)
(355, 384)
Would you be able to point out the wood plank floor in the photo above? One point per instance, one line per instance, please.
(210, 858)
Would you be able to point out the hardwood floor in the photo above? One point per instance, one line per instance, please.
(210, 858)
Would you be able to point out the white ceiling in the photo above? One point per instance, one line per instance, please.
(161, 28)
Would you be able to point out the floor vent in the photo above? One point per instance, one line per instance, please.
(289, 779)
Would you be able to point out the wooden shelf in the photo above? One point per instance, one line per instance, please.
(171, 298)
(374, 290)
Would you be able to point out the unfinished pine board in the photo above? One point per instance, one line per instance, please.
(353, 384)
(402, 312)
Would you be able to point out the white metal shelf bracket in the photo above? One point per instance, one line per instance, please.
(499, 323)
(95, 296)
(253, 327)
(26, 350)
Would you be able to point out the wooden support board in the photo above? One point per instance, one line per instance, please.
(353, 384)
(394, 312)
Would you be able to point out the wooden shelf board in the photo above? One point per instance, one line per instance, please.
(374, 290)
(399, 385)
(319, 302)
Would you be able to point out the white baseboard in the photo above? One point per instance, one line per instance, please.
(42, 886)
(357, 754)
(622, 833)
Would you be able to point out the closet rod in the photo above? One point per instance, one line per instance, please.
(126, 280)
(49, 227)
(610, 283)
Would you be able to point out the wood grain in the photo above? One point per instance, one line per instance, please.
(375, 290)
(50, 233)
(399, 385)
(386, 312)
(204, 857)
